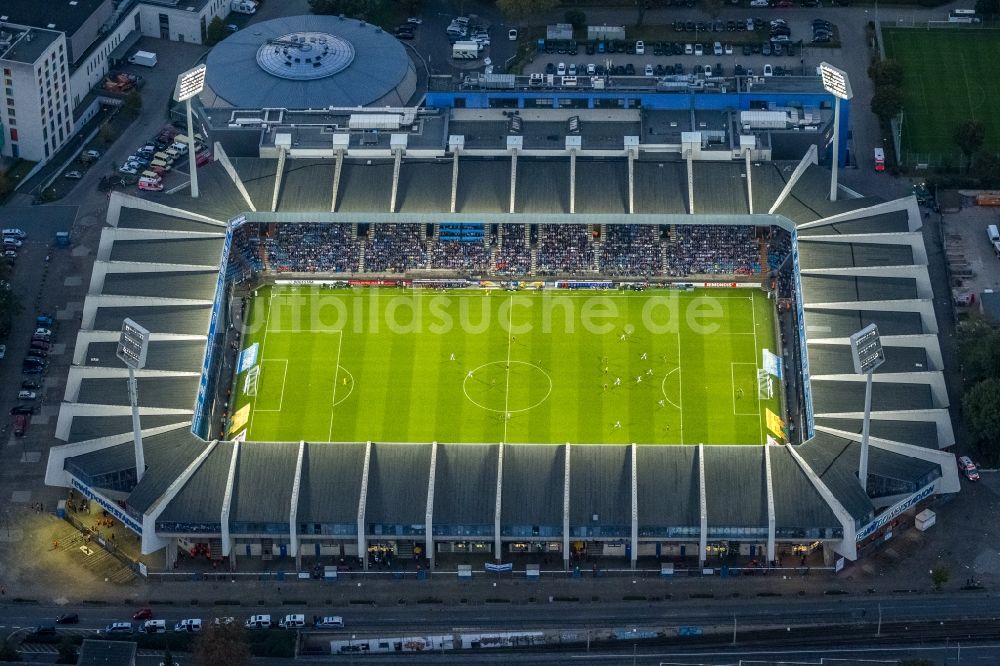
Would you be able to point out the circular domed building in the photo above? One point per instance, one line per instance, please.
(301, 62)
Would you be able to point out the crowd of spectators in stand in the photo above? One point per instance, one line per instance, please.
(395, 248)
(565, 248)
(625, 250)
(513, 257)
(706, 249)
(311, 248)
(631, 249)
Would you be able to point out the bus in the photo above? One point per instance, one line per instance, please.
(963, 16)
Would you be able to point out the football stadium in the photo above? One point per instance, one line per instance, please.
(512, 335)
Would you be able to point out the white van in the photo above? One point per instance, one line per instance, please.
(992, 233)
(181, 148)
(118, 628)
(153, 627)
(192, 625)
(292, 622)
(14, 233)
(328, 622)
(258, 622)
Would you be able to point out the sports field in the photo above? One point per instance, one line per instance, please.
(662, 366)
(949, 78)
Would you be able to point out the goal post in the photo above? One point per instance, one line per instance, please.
(251, 381)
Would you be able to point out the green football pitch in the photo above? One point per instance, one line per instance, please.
(948, 78)
(548, 367)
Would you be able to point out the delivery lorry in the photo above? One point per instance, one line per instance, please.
(144, 58)
(465, 50)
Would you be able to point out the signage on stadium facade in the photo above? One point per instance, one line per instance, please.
(894, 511)
(106, 504)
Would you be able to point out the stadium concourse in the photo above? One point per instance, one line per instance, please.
(859, 260)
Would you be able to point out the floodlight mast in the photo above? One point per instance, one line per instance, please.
(189, 85)
(836, 83)
(133, 343)
(867, 353)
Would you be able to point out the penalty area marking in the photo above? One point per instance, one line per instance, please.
(336, 371)
(284, 376)
(732, 374)
(663, 387)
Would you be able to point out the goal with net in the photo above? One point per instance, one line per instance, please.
(765, 384)
(251, 381)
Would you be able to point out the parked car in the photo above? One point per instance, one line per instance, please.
(14, 233)
(22, 409)
(413, 20)
(3, 351)
(143, 614)
(129, 169)
(92, 154)
(20, 424)
(73, 175)
(968, 468)
(11, 242)
(26, 395)
(512, 34)
(43, 331)
(328, 622)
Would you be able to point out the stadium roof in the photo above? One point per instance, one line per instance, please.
(861, 261)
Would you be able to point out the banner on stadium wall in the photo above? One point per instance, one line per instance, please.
(379, 283)
(774, 423)
(240, 418)
(302, 283)
(248, 358)
(575, 284)
(771, 363)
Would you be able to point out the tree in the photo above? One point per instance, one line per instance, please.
(215, 32)
(978, 350)
(106, 134)
(940, 575)
(981, 407)
(887, 102)
(988, 8)
(8, 652)
(577, 18)
(886, 72)
(969, 137)
(521, 8)
(133, 103)
(221, 645)
(986, 166)
(642, 6)
(4, 184)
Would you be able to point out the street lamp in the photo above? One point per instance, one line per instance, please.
(133, 343)
(190, 84)
(836, 83)
(867, 353)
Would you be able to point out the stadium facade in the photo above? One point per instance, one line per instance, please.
(163, 261)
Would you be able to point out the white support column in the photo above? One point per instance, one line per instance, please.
(573, 144)
(771, 522)
(632, 149)
(635, 505)
(749, 182)
(222, 158)
(848, 546)
(227, 500)
(338, 170)
(397, 143)
(282, 142)
(497, 554)
(293, 509)
(566, 510)
(514, 144)
(835, 162)
(703, 500)
(810, 158)
(362, 500)
(429, 514)
(456, 142)
(690, 184)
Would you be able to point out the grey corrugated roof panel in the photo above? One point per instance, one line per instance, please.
(185, 251)
(480, 134)
(813, 190)
(542, 187)
(795, 210)
(836, 359)
(106, 653)
(138, 218)
(660, 187)
(200, 285)
(175, 355)
(842, 323)
(425, 186)
(483, 186)
(848, 288)
(602, 186)
(894, 222)
(306, 186)
(171, 453)
(832, 397)
(200, 500)
(533, 485)
(166, 392)
(669, 493)
(846, 255)
(257, 175)
(331, 482)
(917, 433)
(397, 483)
(85, 428)
(112, 459)
(186, 319)
(600, 483)
(767, 185)
(735, 486)
(158, 450)
(720, 187)
(225, 202)
(826, 455)
(365, 188)
(797, 503)
(465, 484)
(262, 489)
(881, 463)
(606, 135)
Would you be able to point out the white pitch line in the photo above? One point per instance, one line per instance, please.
(680, 381)
(756, 350)
(510, 340)
(263, 348)
(336, 370)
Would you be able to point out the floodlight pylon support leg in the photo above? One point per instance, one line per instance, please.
(192, 160)
(863, 462)
(133, 396)
(836, 150)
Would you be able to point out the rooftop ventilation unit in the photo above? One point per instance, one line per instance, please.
(573, 125)
(516, 124)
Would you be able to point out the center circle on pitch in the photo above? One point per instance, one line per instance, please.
(512, 387)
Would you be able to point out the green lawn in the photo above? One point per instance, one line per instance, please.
(421, 366)
(949, 78)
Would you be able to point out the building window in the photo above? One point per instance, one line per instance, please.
(13, 134)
